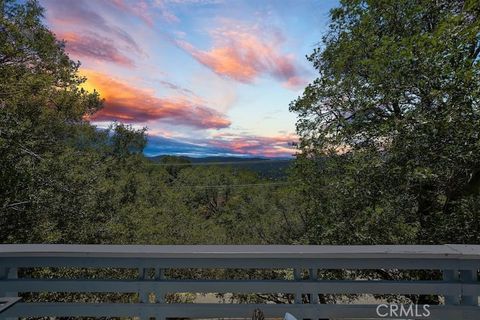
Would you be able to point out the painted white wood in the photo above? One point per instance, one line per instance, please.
(310, 311)
(460, 288)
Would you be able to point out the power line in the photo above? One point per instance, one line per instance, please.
(220, 186)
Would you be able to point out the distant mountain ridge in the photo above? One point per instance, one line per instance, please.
(274, 168)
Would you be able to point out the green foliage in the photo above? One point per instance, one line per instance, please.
(41, 112)
(390, 128)
(66, 181)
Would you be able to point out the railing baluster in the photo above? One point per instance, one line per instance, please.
(159, 276)
(297, 276)
(3, 275)
(143, 294)
(313, 276)
(451, 276)
(159, 293)
(12, 274)
(469, 276)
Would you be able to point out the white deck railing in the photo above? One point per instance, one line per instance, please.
(458, 263)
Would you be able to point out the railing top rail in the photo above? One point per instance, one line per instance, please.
(448, 251)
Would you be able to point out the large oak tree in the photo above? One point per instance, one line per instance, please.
(390, 148)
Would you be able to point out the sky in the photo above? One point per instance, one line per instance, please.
(205, 77)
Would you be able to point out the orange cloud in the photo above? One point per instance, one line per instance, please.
(243, 55)
(126, 103)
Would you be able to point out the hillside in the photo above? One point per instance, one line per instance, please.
(273, 168)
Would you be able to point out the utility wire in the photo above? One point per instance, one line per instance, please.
(220, 186)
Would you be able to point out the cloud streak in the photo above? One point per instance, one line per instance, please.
(78, 14)
(224, 145)
(94, 47)
(139, 9)
(245, 54)
(126, 103)
(274, 146)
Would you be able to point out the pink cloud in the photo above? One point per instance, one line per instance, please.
(127, 103)
(165, 13)
(94, 47)
(78, 15)
(164, 142)
(243, 54)
(140, 9)
(295, 82)
(146, 11)
(273, 146)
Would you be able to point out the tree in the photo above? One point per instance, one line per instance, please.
(389, 131)
(41, 110)
(58, 171)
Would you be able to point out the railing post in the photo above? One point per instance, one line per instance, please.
(8, 273)
(451, 276)
(297, 276)
(469, 276)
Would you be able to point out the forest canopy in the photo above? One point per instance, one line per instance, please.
(388, 152)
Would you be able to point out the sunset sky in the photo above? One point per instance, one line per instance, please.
(206, 77)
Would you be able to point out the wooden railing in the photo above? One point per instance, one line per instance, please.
(458, 290)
